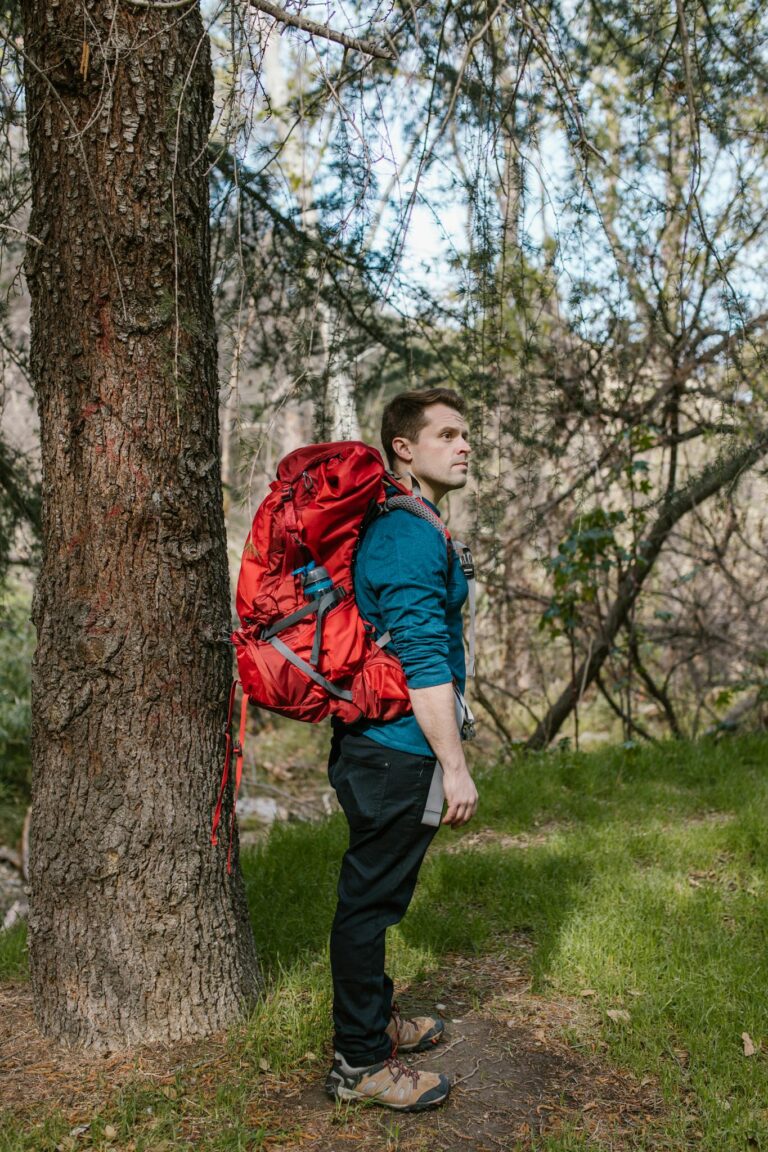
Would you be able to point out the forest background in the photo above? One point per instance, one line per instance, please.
(562, 214)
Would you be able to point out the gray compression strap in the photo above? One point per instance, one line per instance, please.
(308, 670)
(321, 605)
(468, 567)
(464, 718)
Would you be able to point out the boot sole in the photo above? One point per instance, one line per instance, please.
(423, 1045)
(350, 1095)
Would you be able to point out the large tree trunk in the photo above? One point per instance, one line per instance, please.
(136, 931)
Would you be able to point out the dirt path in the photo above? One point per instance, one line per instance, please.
(516, 1077)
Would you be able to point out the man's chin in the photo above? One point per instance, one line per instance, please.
(458, 479)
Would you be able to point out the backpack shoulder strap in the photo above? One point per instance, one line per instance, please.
(419, 508)
(464, 556)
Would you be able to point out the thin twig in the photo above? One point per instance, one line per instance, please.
(447, 1048)
(468, 1076)
(315, 29)
(162, 5)
(20, 232)
(481, 1087)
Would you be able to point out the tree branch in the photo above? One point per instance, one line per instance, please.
(162, 5)
(501, 727)
(619, 711)
(714, 478)
(658, 692)
(315, 29)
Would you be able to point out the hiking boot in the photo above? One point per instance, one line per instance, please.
(414, 1034)
(390, 1083)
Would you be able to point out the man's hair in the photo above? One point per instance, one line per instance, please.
(405, 415)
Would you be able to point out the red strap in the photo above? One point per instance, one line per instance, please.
(238, 749)
(289, 510)
(227, 761)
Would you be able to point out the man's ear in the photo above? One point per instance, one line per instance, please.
(402, 448)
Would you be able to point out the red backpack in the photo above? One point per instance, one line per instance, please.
(303, 649)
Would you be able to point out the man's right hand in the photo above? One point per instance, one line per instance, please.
(435, 712)
(461, 796)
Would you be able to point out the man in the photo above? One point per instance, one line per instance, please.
(406, 583)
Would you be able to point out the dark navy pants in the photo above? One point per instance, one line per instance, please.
(383, 793)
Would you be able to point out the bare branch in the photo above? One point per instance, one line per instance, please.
(20, 232)
(615, 707)
(314, 29)
(711, 480)
(162, 5)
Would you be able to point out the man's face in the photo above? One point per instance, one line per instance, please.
(439, 458)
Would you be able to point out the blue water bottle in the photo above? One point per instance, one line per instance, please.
(315, 579)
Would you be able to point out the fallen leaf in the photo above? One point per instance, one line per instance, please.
(586, 992)
(110, 1133)
(618, 1015)
(749, 1046)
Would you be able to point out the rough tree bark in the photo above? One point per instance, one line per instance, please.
(712, 480)
(136, 931)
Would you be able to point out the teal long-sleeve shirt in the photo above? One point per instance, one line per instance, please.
(407, 584)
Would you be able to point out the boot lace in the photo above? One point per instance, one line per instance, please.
(398, 1069)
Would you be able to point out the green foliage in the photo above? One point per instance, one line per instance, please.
(16, 647)
(583, 559)
(19, 497)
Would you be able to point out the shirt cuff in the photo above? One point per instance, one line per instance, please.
(429, 679)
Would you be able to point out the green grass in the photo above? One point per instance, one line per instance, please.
(649, 888)
(644, 880)
(13, 953)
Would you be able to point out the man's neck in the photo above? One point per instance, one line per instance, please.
(425, 489)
